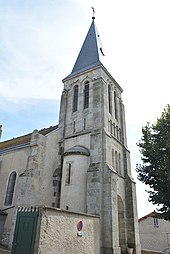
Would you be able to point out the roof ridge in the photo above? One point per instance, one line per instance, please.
(25, 135)
(147, 215)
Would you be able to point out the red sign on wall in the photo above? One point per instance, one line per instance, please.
(80, 226)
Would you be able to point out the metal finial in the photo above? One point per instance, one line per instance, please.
(93, 12)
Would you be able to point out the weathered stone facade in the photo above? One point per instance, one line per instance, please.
(83, 164)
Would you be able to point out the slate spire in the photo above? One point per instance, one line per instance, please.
(90, 52)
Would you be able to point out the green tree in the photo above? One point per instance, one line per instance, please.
(155, 170)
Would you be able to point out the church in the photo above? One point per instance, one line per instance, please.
(80, 165)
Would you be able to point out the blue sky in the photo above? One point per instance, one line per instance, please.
(32, 114)
(40, 41)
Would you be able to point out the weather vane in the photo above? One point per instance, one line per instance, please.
(93, 12)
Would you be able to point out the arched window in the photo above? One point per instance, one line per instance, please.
(86, 95)
(115, 104)
(75, 98)
(110, 99)
(10, 189)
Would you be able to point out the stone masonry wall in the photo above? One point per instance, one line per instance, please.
(59, 233)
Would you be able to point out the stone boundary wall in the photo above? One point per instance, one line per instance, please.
(62, 232)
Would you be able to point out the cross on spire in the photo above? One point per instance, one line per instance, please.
(93, 12)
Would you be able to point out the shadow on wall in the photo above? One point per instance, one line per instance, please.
(150, 252)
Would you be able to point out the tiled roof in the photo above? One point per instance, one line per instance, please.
(90, 54)
(148, 215)
(24, 139)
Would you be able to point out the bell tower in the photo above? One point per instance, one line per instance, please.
(96, 172)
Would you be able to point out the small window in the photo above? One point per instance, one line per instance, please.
(155, 222)
(54, 182)
(119, 164)
(113, 160)
(168, 236)
(115, 104)
(10, 189)
(74, 126)
(110, 126)
(114, 130)
(120, 134)
(75, 98)
(68, 174)
(116, 161)
(86, 95)
(117, 132)
(66, 207)
(110, 99)
(84, 126)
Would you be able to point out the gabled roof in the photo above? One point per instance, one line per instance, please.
(24, 139)
(148, 215)
(90, 52)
